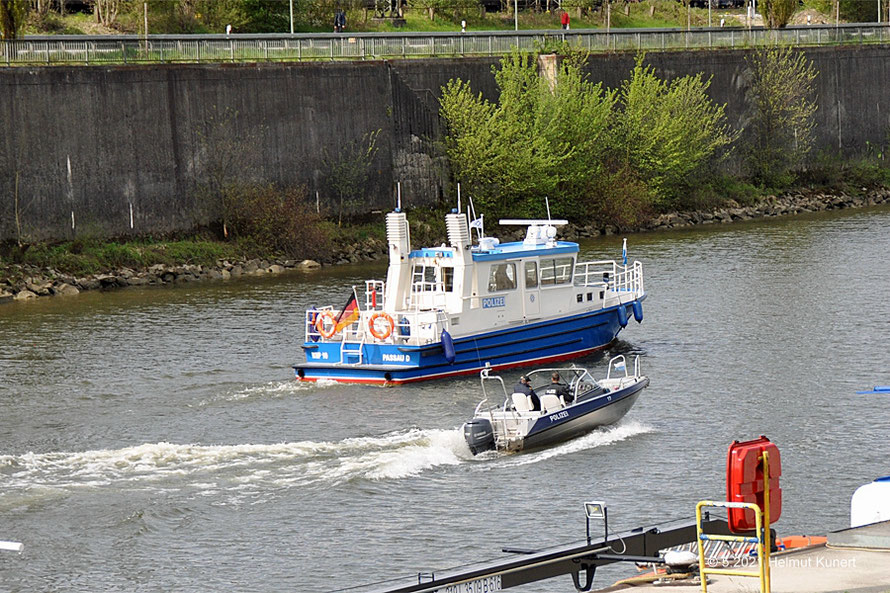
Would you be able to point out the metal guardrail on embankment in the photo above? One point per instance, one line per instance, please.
(127, 49)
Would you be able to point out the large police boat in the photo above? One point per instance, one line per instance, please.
(471, 303)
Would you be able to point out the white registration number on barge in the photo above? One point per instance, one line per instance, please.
(485, 585)
(398, 358)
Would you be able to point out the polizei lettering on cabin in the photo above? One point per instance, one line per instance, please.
(492, 302)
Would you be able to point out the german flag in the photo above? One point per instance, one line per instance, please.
(349, 314)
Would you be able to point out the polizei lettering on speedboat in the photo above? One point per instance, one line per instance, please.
(560, 416)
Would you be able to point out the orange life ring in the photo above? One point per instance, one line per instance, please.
(372, 325)
(319, 324)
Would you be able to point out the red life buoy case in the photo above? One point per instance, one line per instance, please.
(744, 481)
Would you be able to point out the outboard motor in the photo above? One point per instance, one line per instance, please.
(479, 435)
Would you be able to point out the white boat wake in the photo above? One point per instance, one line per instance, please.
(250, 468)
(163, 465)
(271, 390)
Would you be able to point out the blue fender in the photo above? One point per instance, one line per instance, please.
(638, 311)
(622, 315)
(448, 346)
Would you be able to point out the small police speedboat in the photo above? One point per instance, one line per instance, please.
(514, 425)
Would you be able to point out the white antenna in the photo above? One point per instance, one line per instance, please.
(547, 202)
(399, 199)
(458, 197)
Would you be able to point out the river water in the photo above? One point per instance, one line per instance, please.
(153, 439)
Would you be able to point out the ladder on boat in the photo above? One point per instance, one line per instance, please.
(352, 353)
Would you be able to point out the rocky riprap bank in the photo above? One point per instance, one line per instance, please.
(41, 282)
(37, 282)
(789, 204)
(770, 206)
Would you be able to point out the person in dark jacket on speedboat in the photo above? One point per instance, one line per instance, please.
(558, 389)
(524, 387)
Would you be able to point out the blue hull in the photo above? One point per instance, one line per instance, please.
(535, 343)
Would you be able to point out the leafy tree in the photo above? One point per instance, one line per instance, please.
(602, 153)
(214, 15)
(782, 100)
(456, 8)
(265, 16)
(106, 11)
(668, 130)
(778, 12)
(12, 17)
(226, 157)
(543, 138)
(856, 11)
(192, 16)
(581, 5)
(350, 170)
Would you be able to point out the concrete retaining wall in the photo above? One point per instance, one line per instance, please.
(86, 146)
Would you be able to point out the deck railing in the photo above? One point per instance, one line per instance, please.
(609, 274)
(134, 49)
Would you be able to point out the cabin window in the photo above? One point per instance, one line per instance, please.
(531, 274)
(448, 279)
(424, 279)
(502, 277)
(556, 271)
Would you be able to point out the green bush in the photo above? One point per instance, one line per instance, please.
(716, 190)
(543, 138)
(832, 172)
(275, 221)
(86, 256)
(608, 155)
(782, 99)
(668, 131)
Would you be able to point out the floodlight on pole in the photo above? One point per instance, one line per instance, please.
(596, 509)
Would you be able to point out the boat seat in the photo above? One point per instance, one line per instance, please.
(550, 402)
(521, 402)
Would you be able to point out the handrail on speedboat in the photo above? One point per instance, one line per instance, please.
(619, 363)
(581, 380)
